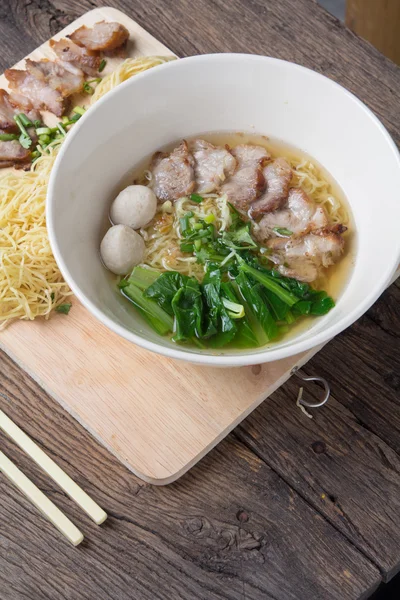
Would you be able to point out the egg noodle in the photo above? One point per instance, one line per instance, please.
(162, 236)
(31, 284)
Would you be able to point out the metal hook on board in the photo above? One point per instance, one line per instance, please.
(321, 380)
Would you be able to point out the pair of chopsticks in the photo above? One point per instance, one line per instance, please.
(27, 487)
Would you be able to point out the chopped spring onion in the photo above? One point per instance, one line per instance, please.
(24, 139)
(197, 244)
(283, 231)
(209, 219)
(235, 310)
(184, 224)
(7, 137)
(44, 131)
(102, 65)
(61, 129)
(87, 88)
(79, 110)
(44, 139)
(196, 198)
(24, 120)
(197, 226)
(187, 247)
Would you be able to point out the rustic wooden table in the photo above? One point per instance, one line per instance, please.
(286, 508)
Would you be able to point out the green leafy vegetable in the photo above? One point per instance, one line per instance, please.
(196, 198)
(64, 308)
(158, 318)
(187, 306)
(321, 303)
(269, 283)
(278, 307)
(141, 277)
(164, 288)
(220, 327)
(239, 238)
(242, 287)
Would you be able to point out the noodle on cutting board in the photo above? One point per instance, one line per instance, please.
(31, 284)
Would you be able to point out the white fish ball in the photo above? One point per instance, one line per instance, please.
(121, 249)
(135, 206)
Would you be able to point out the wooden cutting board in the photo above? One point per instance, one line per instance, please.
(157, 416)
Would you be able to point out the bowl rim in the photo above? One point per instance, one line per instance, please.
(242, 358)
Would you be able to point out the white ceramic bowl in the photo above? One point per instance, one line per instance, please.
(227, 92)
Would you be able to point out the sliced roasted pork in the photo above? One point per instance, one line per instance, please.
(102, 36)
(246, 184)
(7, 113)
(212, 165)
(173, 174)
(304, 256)
(58, 74)
(300, 215)
(78, 56)
(278, 176)
(40, 93)
(23, 104)
(9, 108)
(13, 154)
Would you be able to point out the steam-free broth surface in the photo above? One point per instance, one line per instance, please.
(169, 249)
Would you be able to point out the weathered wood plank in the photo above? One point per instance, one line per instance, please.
(363, 366)
(133, 557)
(348, 473)
(231, 528)
(280, 29)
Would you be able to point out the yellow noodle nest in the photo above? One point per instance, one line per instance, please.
(31, 284)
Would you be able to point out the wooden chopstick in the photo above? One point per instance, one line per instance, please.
(46, 506)
(69, 486)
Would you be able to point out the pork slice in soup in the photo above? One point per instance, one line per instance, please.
(277, 176)
(212, 165)
(304, 256)
(247, 183)
(173, 174)
(300, 215)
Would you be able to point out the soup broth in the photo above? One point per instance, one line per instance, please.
(166, 250)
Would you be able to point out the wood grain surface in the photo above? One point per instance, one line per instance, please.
(157, 426)
(249, 521)
(377, 22)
